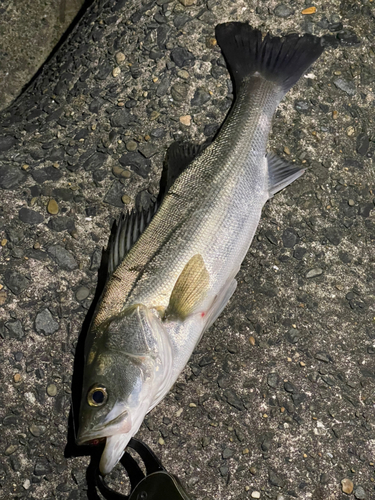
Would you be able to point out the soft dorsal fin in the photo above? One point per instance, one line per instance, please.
(129, 228)
(179, 156)
(189, 289)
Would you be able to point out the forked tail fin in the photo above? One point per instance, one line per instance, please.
(280, 60)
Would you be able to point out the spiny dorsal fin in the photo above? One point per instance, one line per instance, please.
(189, 290)
(130, 226)
(281, 173)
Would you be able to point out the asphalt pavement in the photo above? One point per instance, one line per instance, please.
(277, 401)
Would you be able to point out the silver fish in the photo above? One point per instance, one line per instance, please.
(173, 283)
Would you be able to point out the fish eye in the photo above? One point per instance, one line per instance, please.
(97, 396)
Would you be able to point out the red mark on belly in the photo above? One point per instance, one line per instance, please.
(203, 314)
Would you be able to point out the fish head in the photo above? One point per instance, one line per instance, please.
(125, 367)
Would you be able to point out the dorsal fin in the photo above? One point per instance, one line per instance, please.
(179, 156)
(130, 226)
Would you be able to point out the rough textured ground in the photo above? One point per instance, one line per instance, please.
(28, 33)
(278, 397)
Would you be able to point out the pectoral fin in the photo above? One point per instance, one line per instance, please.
(218, 305)
(189, 290)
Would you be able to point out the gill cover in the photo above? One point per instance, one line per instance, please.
(128, 363)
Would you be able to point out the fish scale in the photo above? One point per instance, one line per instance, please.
(179, 275)
(235, 189)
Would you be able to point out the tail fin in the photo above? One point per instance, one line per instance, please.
(281, 60)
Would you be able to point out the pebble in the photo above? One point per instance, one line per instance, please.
(289, 238)
(182, 73)
(161, 441)
(179, 92)
(42, 467)
(273, 380)
(147, 149)
(45, 324)
(3, 297)
(181, 56)
(289, 387)
(37, 430)
(131, 146)
(52, 207)
(82, 293)
(187, 3)
(255, 494)
(10, 177)
(185, 120)
(15, 235)
(51, 390)
(201, 96)
(15, 281)
(14, 329)
(228, 453)
(348, 39)
(351, 202)
(206, 441)
(224, 469)
(252, 340)
(17, 378)
(26, 485)
(117, 171)
(120, 57)
(283, 11)
(126, 199)
(322, 356)
(347, 486)
(309, 10)
(359, 493)
(61, 223)
(363, 143)
(252, 470)
(29, 216)
(274, 479)
(345, 86)
(63, 257)
(303, 107)
(116, 71)
(6, 142)
(11, 449)
(350, 131)
(316, 271)
(3, 242)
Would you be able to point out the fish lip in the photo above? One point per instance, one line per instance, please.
(100, 432)
(87, 438)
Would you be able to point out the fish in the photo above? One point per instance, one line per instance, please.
(172, 270)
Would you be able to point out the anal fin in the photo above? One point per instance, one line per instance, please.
(281, 173)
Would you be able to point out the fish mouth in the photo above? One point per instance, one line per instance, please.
(113, 452)
(118, 425)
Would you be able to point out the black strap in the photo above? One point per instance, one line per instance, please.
(152, 464)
